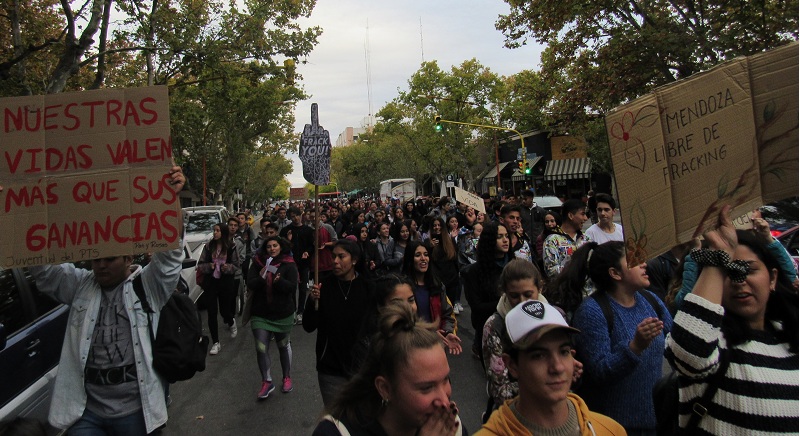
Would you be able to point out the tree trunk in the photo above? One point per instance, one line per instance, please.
(19, 48)
(100, 76)
(151, 71)
(74, 49)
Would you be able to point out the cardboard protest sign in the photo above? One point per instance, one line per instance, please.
(725, 136)
(85, 176)
(469, 199)
(568, 147)
(297, 194)
(315, 151)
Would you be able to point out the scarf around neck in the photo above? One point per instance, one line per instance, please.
(261, 259)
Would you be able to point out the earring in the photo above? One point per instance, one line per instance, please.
(384, 402)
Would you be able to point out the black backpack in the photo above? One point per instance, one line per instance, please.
(179, 348)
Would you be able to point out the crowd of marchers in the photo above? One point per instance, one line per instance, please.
(589, 370)
(572, 338)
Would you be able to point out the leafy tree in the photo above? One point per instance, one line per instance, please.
(230, 66)
(234, 124)
(464, 94)
(522, 98)
(601, 54)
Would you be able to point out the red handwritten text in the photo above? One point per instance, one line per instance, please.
(28, 196)
(73, 116)
(145, 187)
(122, 229)
(156, 149)
(85, 192)
(53, 159)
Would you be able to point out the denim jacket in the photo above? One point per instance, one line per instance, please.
(77, 288)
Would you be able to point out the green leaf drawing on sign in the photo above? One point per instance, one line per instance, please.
(647, 119)
(638, 220)
(769, 110)
(777, 172)
(722, 186)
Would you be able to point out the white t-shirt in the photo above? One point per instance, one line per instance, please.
(598, 235)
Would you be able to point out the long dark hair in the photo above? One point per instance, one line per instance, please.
(487, 243)
(782, 305)
(394, 231)
(385, 285)
(432, 281)
(592, 261)
(547, 231)
(486, 257)
(286, 246)
(400, 332)
(224, 239)
(357, 231)
(446, 249)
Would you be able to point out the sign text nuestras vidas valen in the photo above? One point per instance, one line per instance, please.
(85, 176)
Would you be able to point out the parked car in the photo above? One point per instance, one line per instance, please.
(32, 327)
(781, 215)
(789, 241)
(549, 202)
(199, 222)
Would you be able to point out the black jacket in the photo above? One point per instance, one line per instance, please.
(282, 302)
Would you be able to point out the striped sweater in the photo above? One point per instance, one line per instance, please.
(759, 393)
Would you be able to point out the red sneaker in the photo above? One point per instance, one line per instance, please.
(287, 385)
(266, 388)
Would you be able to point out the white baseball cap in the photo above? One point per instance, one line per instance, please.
(528, 322)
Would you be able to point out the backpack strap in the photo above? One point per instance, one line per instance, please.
(339, 425)
(653, 302)
(605, 306)
(138, 288)
(700, 406)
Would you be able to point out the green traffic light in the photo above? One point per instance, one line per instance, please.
(438, 126)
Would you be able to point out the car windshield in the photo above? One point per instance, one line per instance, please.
(202, 223)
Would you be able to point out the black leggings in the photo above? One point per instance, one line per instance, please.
(263, 338)
(216, 297)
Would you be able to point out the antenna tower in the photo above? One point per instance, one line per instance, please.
(367, 56)
(421, 45)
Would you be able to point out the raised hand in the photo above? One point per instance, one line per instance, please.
(724, 236)
(646, 331)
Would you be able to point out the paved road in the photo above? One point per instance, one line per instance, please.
(222, 399)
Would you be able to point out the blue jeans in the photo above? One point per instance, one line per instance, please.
(92, 425)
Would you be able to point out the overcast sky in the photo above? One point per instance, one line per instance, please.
(335, 75)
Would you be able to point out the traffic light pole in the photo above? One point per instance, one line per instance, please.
(439, 119)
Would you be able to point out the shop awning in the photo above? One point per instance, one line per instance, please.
(568, 169)
(518, 176)
(492, 174)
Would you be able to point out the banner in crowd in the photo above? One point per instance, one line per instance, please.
(315, 151)
(85, 176)
(469, 199)
(297, 194)
(724, 136)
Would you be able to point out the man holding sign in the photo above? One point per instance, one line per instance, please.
(106, 382)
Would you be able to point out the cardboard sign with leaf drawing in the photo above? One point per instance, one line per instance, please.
(725, 136)
(85, 176)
